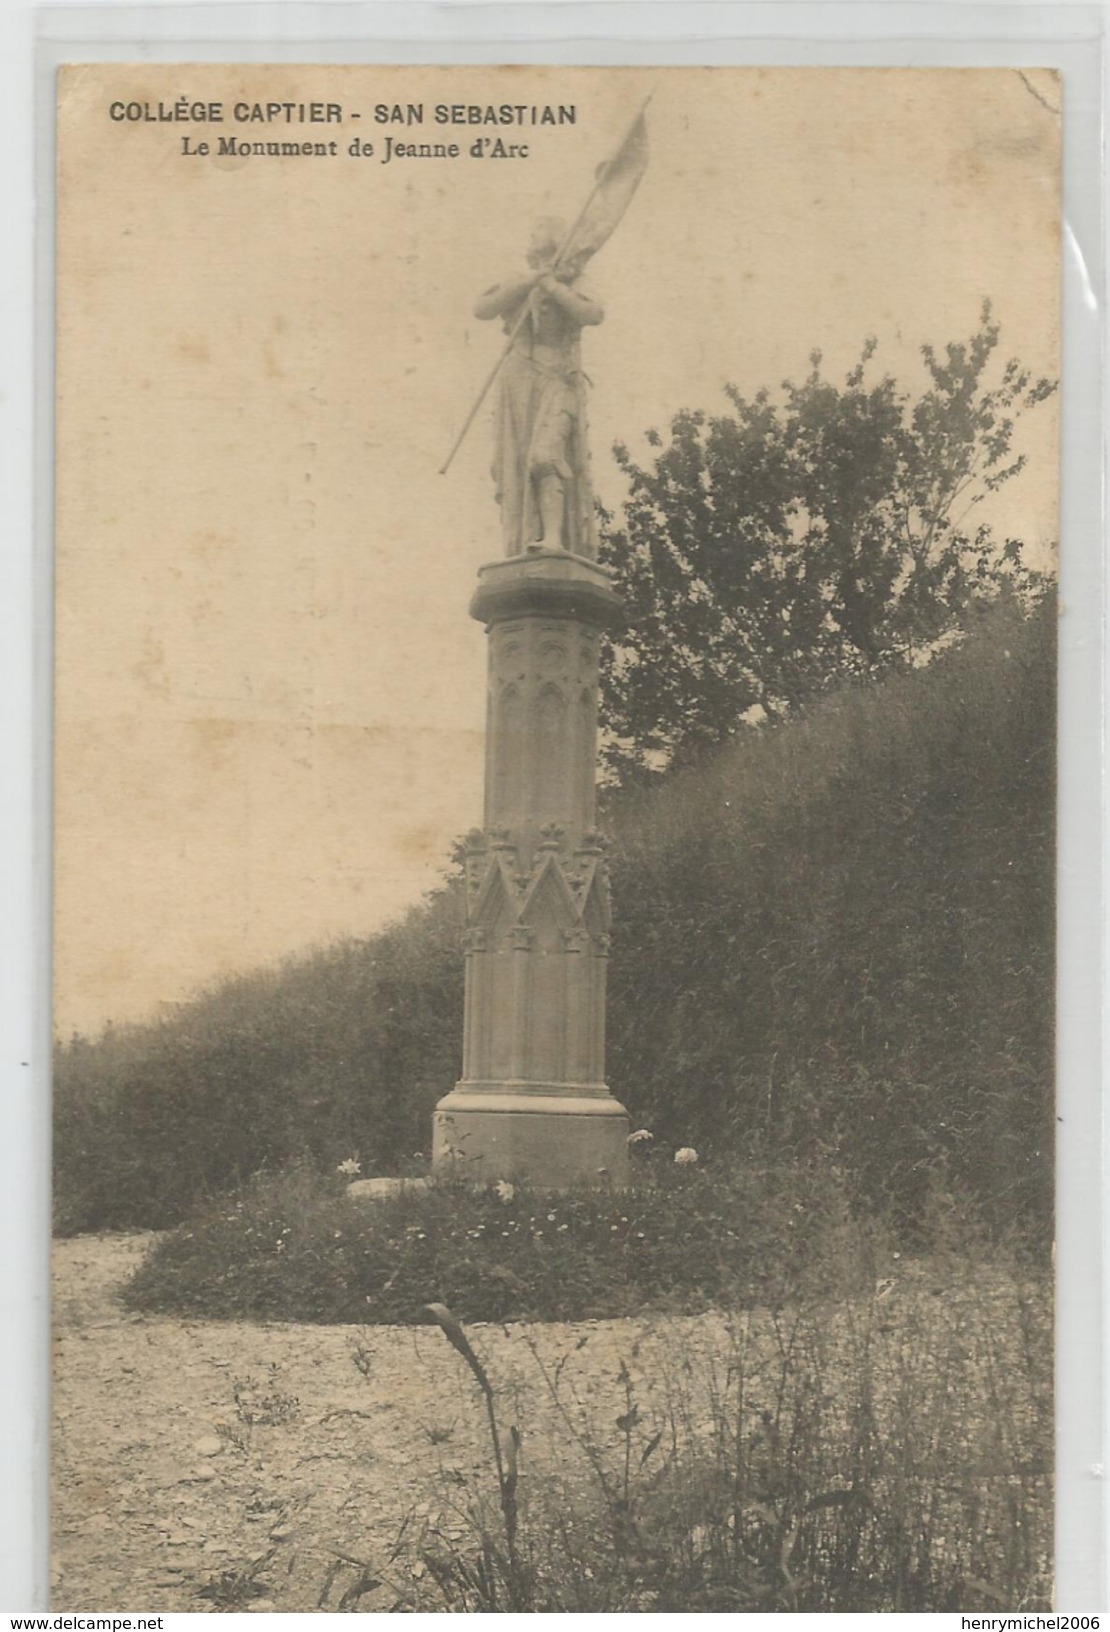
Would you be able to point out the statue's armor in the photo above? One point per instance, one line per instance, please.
(548, 334)
(542, 430)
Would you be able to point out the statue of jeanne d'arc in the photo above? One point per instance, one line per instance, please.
(541, 467)
(541, 460)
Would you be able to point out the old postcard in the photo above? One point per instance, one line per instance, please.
(554, 872)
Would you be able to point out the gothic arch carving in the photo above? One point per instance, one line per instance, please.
(509, 737)
(551, 746)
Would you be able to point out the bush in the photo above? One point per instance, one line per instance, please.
(835, 940)
(295, 1247)
(345, 1050)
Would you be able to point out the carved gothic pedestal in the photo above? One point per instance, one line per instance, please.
(532, 1102)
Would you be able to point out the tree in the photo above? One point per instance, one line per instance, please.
(773, 550)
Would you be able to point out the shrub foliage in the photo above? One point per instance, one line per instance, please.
(343, 1051)
(293, 1246)
(838, 936)
(790, 544)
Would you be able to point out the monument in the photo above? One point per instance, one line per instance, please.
(532, 1102)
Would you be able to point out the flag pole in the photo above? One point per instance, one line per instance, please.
(525, 305)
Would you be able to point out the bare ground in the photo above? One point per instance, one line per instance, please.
(202, 1465)
(340, 1438)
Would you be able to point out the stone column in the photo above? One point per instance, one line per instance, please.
(532, 1103)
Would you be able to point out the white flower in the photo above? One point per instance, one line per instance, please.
(350, 1167)
(640, 1137)
(505, 1190)
(686, 1157)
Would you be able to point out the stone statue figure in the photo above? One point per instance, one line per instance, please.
(540, 462)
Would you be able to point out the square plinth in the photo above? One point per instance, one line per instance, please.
(548, 1141)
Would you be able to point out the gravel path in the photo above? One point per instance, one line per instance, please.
(202, 1465)
(238, 1461)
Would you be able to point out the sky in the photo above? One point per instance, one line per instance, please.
(270, 698)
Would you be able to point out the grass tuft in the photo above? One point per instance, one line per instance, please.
(876, 1457)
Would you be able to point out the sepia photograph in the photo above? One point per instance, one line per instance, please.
(555, 838)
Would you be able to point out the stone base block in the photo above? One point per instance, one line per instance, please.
(384, 1189)
(552, 1141)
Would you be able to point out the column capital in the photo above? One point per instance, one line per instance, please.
(547, 582)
